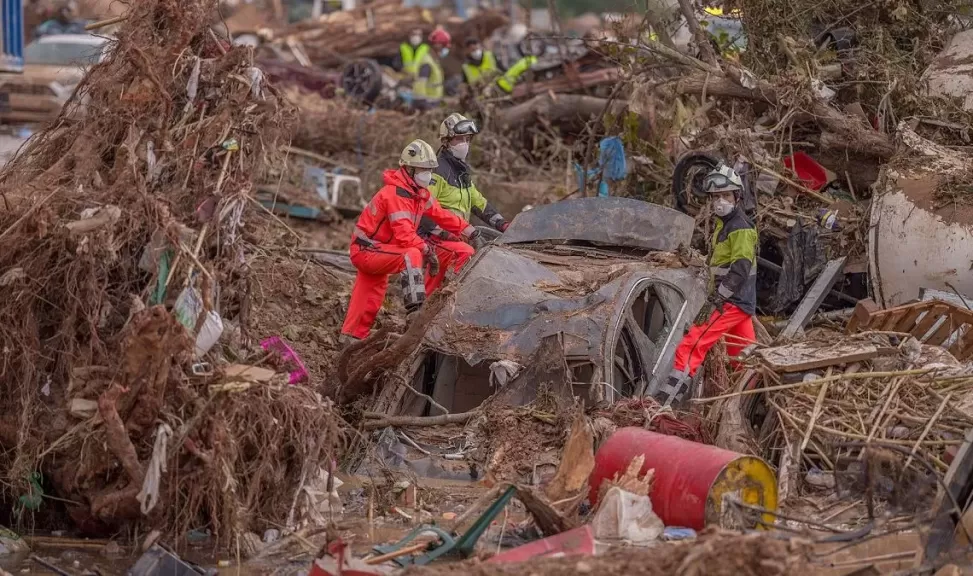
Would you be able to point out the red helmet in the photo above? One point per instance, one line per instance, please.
(440, 37)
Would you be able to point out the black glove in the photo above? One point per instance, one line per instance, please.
(476, 240)
(716, 300)
(431, 261)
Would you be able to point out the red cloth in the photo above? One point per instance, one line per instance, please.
(374, 265)
(449, 253)
(701, 337)
(392, 216)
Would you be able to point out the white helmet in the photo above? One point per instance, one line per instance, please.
(722, 179)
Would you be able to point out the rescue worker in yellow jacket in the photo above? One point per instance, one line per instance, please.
(427, 89)
(452, 184)
(480, 66)
(411, 52)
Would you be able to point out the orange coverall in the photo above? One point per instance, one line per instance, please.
(385, 242)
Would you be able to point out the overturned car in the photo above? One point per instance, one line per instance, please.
(599, 276)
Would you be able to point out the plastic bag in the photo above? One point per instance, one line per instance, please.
(626, 516)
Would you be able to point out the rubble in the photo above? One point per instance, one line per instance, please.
(175, 261)
(139, 152)
(714, 553)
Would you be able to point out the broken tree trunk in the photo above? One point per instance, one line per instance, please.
(853, 135)
(558, 108)
(369, 366)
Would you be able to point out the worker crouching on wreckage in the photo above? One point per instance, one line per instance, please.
(385, 241)
(733, 270)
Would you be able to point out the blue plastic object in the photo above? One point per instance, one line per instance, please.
(611, 167)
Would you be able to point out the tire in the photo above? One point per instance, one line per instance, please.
(362, 80)
(687, 177)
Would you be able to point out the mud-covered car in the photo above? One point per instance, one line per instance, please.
(603, 275)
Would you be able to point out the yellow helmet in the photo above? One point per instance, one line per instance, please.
(457, 125)
(419, 154)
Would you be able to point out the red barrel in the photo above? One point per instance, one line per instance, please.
(691, 479)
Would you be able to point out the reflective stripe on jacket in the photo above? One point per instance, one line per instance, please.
(393, 214)
(428, 84)
(485, 70)
(512, 76)
(412, 56)
(733, 263)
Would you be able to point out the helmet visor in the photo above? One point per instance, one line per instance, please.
(715, 183)
(465, 128)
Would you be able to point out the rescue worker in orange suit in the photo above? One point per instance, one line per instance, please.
(733, 270)
(385, 242)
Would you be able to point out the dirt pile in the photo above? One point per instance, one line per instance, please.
(715, 553)
(135, 202)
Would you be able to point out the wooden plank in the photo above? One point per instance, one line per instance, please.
(963, 347)
(804, 356)
(908, 321)
(929, 320)
(943, 332)
(861, 318)
(813, 299)
(890, 319)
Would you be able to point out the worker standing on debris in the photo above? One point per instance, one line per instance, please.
(411, 52)
(427, 89)
(452, 186)
(733, 269)
(480, 66)
(385, 242)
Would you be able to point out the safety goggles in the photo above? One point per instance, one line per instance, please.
(465, 128)
(714, 183)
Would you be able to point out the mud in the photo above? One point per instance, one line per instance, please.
(715, 554)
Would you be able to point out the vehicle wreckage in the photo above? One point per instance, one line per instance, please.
(616, 296)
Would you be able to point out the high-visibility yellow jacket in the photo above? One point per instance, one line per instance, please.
(482, 72)
(428, 84)
(412, 56)
(512, 76)
(733, 263)
(452, 185)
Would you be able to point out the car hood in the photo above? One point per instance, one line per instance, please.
(509, 299)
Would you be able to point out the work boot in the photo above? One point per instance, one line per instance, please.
(674, 391)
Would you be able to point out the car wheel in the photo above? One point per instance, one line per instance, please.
(362, 80)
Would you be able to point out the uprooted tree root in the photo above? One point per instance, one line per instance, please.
(170, 131)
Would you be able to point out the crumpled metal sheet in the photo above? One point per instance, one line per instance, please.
(621, 222)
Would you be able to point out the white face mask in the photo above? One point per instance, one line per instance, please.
(460, 150)
(476, 54)
(415, 40)
(423, 179)
(722, 208)
(444, 52)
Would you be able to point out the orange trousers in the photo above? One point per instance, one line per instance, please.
(376, 264)
(454, 254)
(701, 337)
